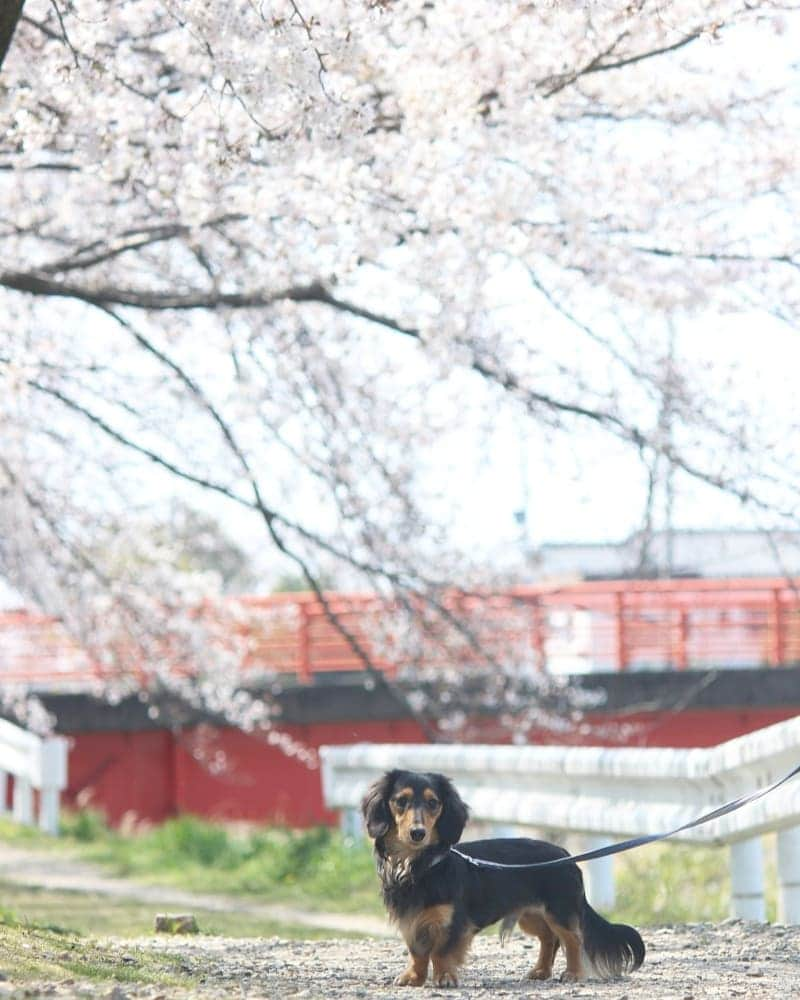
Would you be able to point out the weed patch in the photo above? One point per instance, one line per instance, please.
(318, 868)
(35, 952)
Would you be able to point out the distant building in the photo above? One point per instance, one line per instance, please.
(681, 553)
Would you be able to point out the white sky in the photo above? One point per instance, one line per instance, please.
(589, 488)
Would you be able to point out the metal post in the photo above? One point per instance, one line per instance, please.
(22, 806)
(777, 657)
(789, 876)
(747, 880)
(599, 874)
(304, 643)
(51, 780)
(622, 651)
(682, 659)
(49, 810)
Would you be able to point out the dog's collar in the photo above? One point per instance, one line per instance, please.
(438, 857)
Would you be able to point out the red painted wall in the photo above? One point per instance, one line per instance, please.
(219, 773)
(688, 728)
(228, 774)
(121, 772)
(223, 773)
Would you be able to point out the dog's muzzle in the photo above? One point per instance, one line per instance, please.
(417, 834)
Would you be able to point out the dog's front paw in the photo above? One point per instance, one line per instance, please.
(445, 977)
(568, 976)
(409, 978)
(540, 974)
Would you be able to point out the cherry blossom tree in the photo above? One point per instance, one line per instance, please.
(277, 254)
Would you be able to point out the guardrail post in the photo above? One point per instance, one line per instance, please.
(747, 880)
(350, 824)
(789, 876)
(52, 778)
(599, 874)
(49, 802)
(3, 792)
(22, 801)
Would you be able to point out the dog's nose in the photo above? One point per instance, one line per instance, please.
(418, 834)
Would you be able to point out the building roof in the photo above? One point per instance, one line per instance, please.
(680, 553)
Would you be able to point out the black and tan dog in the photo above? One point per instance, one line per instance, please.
(440, 899)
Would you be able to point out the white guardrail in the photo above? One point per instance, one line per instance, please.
(35, 764)
(609, 794)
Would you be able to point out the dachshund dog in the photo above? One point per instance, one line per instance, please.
(440, 899)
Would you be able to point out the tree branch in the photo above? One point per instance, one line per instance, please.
(39, 283)
(133, 239)
(35, 283)
(718, 257)
(553, 84)
(106, 297)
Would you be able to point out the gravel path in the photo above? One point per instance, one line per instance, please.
(688, 962)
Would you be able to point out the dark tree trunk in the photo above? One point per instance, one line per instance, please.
(10, 12)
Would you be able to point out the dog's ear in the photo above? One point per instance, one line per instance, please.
(454, 812)
(375, 806)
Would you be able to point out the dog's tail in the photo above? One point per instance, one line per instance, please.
(611, 948)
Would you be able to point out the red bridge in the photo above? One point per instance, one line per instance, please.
(572, 628)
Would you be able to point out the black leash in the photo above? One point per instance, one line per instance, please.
(649, 838)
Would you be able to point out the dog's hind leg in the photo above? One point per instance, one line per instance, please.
(572, 943)
(534, 924)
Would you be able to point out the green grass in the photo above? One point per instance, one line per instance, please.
(94, 914)
(319, 869)
(33, 951)
(679, 883)
(315, 868)
(14, 833)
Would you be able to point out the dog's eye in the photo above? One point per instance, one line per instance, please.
(432, 804)
(401, 803)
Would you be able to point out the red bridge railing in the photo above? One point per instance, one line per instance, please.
(574, 627)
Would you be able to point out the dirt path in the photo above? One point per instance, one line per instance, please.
(690, 962)
(65, 872)
(701, 962)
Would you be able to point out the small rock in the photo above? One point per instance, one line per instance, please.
(176, 923)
